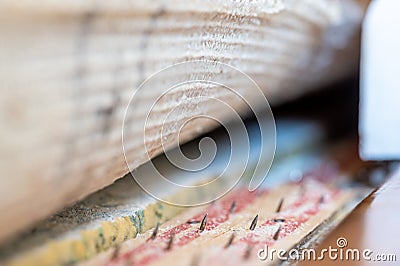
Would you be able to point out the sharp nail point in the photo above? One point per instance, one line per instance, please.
(170, 241)
(155, 231)
(276, 235)
(203, 223)
(254, 223)
(116, 251)
(233, 207)
(248, 252)
(321, 199)
(230, 241)
(278, 209)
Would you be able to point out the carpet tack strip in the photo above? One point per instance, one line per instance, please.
(300, 215)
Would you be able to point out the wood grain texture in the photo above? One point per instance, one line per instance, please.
(68, 69)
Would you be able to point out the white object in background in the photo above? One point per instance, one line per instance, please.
(380, 82)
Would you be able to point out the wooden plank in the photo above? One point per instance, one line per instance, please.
(68, 69)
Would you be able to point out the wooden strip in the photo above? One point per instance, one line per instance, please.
(302, 213)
